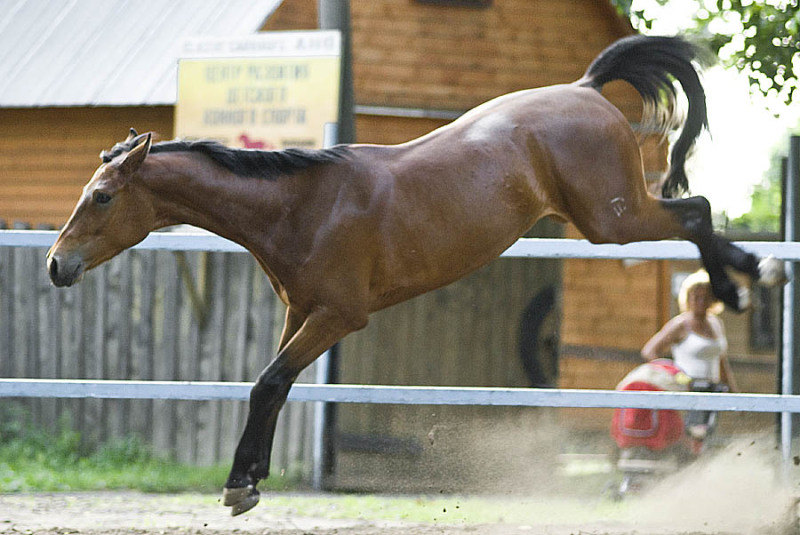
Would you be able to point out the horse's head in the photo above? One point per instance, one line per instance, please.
(114, 213)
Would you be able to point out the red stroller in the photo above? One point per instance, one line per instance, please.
(644, 436)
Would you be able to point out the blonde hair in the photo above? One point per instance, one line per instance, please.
(690, 283)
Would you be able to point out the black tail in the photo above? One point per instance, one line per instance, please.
(650, 65)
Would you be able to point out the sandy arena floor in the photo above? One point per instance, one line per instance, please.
(738, 492)
(127, 513)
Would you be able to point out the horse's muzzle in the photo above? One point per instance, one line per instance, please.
(64, 271)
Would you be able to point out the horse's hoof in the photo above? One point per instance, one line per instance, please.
(771, 272)
(240, 499)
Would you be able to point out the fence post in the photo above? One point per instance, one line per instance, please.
(333, 15)
(791, 297)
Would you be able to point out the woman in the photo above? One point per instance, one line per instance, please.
(696, 339)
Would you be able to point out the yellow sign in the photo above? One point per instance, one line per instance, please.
(268, 91)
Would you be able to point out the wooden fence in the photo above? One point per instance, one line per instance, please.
(149, 315)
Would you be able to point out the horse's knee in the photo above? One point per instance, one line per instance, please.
(271, 389)
(698, 219)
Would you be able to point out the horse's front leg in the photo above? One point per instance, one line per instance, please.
(319, 331)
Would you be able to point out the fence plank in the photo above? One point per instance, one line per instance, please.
(211, 355)
(82, 349)
(187, 367)
(125, 369)
(30, 305)
(99, 366)
(132, 319)
(142, 350)
(165, 368)
(71, 318)
(7, 286)
(49, 342)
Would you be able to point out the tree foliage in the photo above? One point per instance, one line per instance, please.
(767, 197)
(765, 206)
(758, 37)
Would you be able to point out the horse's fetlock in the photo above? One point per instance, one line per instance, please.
(238, 481)
(260, 470)
(728, 292)
(702, 203)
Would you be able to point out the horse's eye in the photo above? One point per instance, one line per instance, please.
(101, 197)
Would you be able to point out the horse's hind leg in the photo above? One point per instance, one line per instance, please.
(690, 219)
(694, 215)
(716, 252)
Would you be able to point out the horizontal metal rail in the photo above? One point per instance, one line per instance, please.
(523, 248)
(406, 395)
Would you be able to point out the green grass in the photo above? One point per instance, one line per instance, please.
(37, 460)
(34, 461)
(34, 464)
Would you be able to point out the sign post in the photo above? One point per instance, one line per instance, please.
(261, 91)
(267, 91)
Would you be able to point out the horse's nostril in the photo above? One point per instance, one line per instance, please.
(53, 268)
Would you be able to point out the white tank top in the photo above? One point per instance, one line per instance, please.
(699, 356)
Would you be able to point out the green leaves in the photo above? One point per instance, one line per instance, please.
(760, 38)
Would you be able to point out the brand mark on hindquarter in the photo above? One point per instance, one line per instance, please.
(618, 205)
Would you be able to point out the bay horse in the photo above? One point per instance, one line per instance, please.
(346, 231)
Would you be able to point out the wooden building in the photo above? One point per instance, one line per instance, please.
(417, 65)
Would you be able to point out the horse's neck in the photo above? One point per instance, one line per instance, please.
(198, 193)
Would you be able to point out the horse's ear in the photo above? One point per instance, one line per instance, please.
(136, 156)
(132, 134)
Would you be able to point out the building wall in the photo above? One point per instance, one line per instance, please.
(48, 154)
(428, 56)
(598, 357)
(412, 55)
(405, 54)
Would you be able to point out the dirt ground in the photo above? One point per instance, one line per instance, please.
(128, 513)
(740, 491)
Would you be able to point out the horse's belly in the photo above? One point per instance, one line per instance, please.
(434, 260)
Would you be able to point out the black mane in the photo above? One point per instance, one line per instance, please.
(267, 164)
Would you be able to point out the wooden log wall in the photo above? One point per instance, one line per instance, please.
(133, 318)
(48, 154)
(418, 55)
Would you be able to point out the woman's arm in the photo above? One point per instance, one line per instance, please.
(671, 333)
(725, 371)
(726, 375)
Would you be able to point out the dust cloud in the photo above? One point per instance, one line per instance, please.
(739, 489)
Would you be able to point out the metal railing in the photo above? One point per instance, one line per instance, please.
(524, 248)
